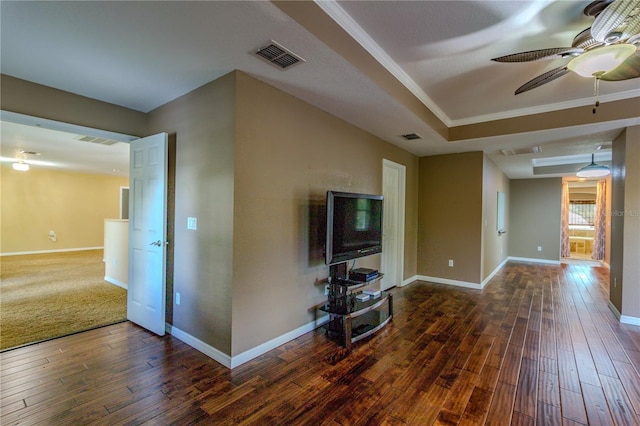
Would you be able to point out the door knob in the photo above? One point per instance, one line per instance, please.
(156, 243)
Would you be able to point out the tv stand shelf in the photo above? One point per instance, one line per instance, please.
(351, 320)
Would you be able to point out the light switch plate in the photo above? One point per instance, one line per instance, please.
(192, 223)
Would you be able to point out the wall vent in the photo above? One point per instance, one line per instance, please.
(412, 136)
(278, 55)
(99, 141)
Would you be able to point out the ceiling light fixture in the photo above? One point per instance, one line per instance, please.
(597, 62)
(593, 170)
(20, 166)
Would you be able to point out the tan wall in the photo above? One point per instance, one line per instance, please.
(624, 291)
(450, 216)
(288, 154)
(73, 205)
(494, 246)
(617, 221)
(631, 265)
(535, 218)
(33, 99)
(202, 126)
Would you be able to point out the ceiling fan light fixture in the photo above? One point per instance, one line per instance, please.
(594, 63)
(593, 170)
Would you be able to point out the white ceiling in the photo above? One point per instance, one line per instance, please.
(143, 54)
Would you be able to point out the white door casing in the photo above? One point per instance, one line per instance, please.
(393, 190)
(147, 232)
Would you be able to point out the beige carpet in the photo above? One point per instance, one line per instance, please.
(43, 296)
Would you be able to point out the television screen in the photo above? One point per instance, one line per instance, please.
(354, 226)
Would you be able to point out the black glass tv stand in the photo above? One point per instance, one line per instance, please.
(352, 319)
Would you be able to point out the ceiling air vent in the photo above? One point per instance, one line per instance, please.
(278, 55)
(412, 136)
(99, 141)
(532, 150)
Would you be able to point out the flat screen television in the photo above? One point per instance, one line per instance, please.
(354, 226)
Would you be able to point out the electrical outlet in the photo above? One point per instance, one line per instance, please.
(539, 248)
(177, 298)
(451, 263)
(326, 290)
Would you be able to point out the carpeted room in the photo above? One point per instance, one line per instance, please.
(53, 285)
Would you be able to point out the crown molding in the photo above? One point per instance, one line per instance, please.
(545, 108)
(344, 20)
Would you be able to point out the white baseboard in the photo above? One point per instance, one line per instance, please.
(495, 271)
(274, 343)
(613, 309)
(20, 253)
(232, 362)
(624, 319)
(116, 282)
(438, 280)
(409, 280)
(199, 345)
(533, 260)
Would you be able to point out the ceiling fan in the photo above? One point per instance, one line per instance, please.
(608, 50)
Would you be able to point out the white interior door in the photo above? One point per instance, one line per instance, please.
(393, 190)
(147, 232)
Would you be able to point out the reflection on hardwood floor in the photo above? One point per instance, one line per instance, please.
(537, 346)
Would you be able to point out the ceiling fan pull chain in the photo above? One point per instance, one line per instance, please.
(596, 93)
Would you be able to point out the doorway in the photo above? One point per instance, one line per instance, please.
(393, 190)
(588, 226)
(53, 217)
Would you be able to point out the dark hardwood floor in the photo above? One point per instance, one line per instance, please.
(537, 346)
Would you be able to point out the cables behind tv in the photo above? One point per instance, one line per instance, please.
(353, 265)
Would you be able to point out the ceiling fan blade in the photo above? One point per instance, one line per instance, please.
(584, 40)
(630, 68)
(617, 22)
(540, 54)
(543, 79)
(594, 8)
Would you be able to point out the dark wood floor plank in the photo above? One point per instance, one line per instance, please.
(527, 388)
(568, 371)
(596, 405)
(460, 394)
(476, 410)
(630, 379)
(479, 354)
(519, 419)
(510, 368)
(614, 348)
(501, 408)
(538, 344)
(573, 406)
(548, 389)
(548, 415)
(619, 404)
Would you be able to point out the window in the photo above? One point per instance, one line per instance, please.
(582, 212)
